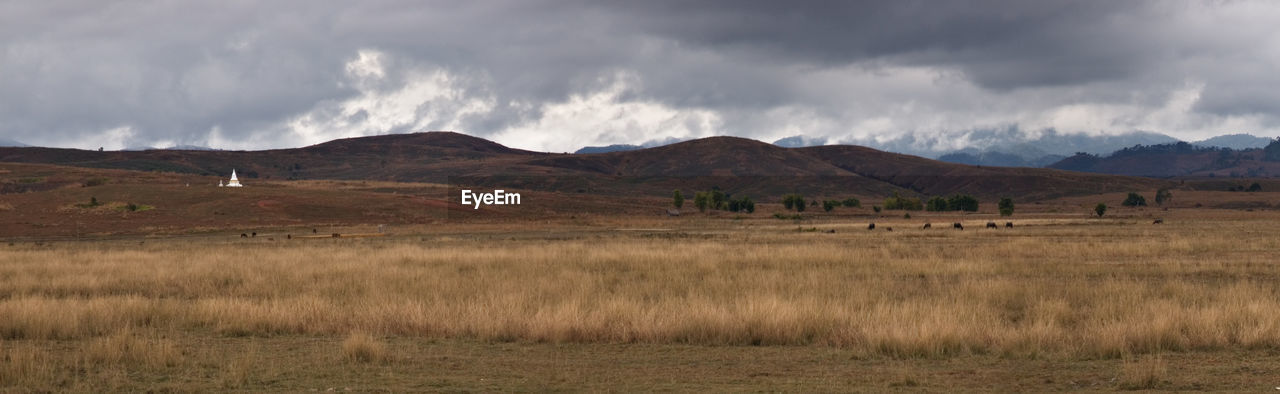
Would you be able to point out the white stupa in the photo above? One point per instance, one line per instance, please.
(233, 182)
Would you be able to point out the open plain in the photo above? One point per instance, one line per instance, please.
(727, 302)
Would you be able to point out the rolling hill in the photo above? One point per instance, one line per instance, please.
(733, 164)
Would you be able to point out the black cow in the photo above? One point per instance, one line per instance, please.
(888, 228)
(957, 225)
(871, 226)
(927, 225)
(1008, 224)
(992, 225)
(243, 235)
(1158, 221)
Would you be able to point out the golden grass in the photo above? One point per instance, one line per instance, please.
(1075, 291)
(362, 347)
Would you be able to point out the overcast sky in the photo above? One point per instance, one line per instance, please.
(558, 75)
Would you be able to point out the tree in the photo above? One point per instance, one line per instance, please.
(828, 205)
(93, 201)
(677, 199)
(717, 199)
(1134, 200)
(1255, 187)
(790, 201)
(962, 202)
(1006, 206)
(936, 204)
(700, 200)
(799, 203)
(1163, 196)
(1272, 151)
(899, 202)
(1100, 209)
(748, 205)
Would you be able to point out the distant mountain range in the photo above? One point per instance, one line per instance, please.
(7, 142)
(625, 147)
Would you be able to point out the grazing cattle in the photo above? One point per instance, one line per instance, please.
(254, 234)
(888, 229)
(1008, 224)
(288, 236)
(871, 226)
(927, 225)
(1158, 221)
(957, 225)
(313, 231)
(243, 235)
(992, 225)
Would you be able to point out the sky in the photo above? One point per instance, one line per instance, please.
(559, 75)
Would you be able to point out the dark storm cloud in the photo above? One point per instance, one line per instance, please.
(547, 74)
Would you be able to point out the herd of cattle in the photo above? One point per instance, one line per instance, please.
(956, 225)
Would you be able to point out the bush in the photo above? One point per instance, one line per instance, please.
(875, 208)
(1255, 187)
(1134, 200)
(94, 182)
(1100, 209)
(828, 205)
(677, 199)
(906, 215)
(799, 203)
(1006, 206)
(851, 202)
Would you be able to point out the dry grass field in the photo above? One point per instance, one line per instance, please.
(1056, 303)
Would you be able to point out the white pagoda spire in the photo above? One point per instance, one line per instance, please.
(233, 182)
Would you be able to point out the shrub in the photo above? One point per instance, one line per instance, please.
(1100, 209)
(799, 203)
(1006, 206)
(94, 182)
(1255, 187)
(677, 199)
(875, 208)
(828, 205)
(1134, 200)
(851, 202)
(906, 215)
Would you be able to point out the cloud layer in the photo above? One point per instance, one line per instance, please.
(558, 75)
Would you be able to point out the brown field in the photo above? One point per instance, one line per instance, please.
(731, 302)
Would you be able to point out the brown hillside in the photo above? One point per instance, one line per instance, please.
(736, 165)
